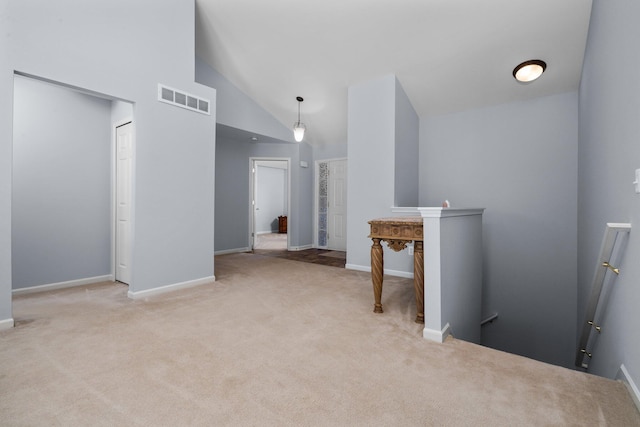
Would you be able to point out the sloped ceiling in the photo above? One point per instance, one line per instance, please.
(449, 55)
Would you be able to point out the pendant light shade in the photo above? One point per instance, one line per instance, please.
(299, 127)
(298, 131)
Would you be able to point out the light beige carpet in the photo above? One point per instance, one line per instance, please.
(271, 241)
(273, 342)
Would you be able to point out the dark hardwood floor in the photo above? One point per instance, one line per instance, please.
(275, 245)
(315, 256)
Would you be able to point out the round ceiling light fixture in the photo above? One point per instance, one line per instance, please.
(528, 71)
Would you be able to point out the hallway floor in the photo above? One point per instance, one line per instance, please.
(275, 245)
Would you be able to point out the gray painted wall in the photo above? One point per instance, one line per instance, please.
(120, 111)
(96, 46)
(61, 208)
(519, 161)
(406, 155)
(371, 171)
(302, 194)
(237, 110)
(461, 245)
(327, 152)
(232, 194)
(609, 153)
(6, 137)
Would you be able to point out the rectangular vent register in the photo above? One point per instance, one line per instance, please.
(183, 99)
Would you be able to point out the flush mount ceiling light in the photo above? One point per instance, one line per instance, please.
(299, 127)
(528, 71)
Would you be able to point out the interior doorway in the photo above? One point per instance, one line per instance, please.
(270, 203)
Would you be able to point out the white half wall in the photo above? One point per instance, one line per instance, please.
(452, 273)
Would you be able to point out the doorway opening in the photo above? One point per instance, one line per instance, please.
(63, 184)
(270, 203)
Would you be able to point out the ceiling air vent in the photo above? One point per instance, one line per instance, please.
(182, 99)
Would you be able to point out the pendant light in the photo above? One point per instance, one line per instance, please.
(299, 127)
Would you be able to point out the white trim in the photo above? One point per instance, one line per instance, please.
(437, 212)
(405, 210)
(252, 189)
(333, 159)
(62, 285)
(170, 288)
(437, 336)
(624, 376)
(231, 251)
(300, 248)
(395, 273)
(357, 267)
(449, 212)
(6, 324)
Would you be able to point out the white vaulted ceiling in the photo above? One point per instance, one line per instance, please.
(449, 55)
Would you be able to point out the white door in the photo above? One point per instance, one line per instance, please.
(337, 206)
(124, 159)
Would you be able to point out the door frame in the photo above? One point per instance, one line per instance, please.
(252, 196)
(316, 196)
(114, 184)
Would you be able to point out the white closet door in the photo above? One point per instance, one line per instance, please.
(124, 153)
(337, 206)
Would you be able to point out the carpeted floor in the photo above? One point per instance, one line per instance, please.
(268, 241)
(273, 343)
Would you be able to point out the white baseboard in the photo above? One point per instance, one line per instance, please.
(170, 288)
(6, 324)
(300, 248)
(232, 251)
(357, 267)
(388, 272)
(435, 335)
(624, 376)
(62, 285)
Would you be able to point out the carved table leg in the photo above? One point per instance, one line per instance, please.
(377, 271)
(418, 279)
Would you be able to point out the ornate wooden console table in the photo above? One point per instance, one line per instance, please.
(398, 232)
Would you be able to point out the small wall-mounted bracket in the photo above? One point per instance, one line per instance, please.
(596, 327)
(611, 267)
